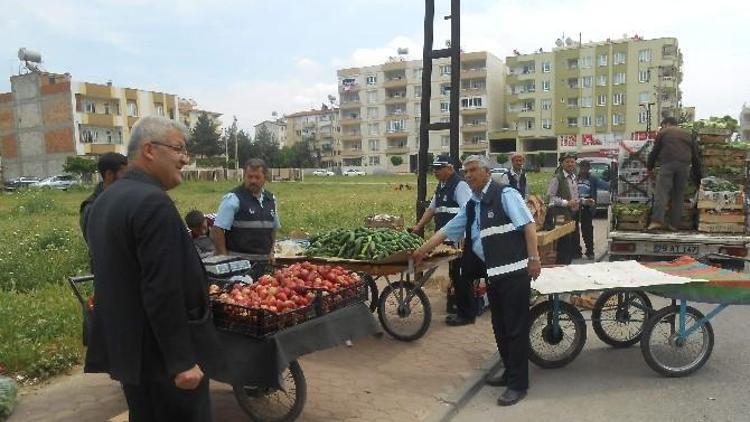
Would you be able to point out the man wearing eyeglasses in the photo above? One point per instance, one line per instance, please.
(247, 219)
(150, 326)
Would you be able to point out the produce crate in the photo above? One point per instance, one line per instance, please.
(728, 216)
(714, 131)
(633, 198)
(733, 160)
(548, 253)
(257, 323)
(385, 221)
(327, 302)
(721, 200)
(721, 227)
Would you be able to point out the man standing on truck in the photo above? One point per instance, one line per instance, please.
(674, 151)
(451, 194)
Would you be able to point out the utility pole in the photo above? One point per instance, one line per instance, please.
(236, 149)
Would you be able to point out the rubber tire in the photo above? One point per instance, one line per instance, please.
(372, 286)
(596, 315)
(648, 330)
(418, 294)
(576, 317)
(299, 403)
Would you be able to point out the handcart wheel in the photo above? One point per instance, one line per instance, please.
(402, 319)
(668, 354)
(272, 405)
(372, 291)
(619, 315)
(554, 341)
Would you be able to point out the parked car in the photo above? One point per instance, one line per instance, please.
(61, 182)
(323, 172)
(601, 167)
(353, 172)
(19, 182)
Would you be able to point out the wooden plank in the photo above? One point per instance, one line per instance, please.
(721, 227)
(547, 237)
(707, 216)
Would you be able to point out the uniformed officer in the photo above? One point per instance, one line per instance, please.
(451, 194)
(501, 245)
(247, 219)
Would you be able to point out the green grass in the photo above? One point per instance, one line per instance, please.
(41, 245)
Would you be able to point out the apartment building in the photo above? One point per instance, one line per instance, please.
(277, 129)
(586, 97)
(189, 113)
(321, 129)
(745, 122)
(381, 108)
(48, 116)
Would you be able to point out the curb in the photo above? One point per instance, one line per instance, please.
(459, 397)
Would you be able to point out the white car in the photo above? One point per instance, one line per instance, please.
(353, 172)
(323, 172)
(61, 182)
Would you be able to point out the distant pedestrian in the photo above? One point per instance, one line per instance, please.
(565, 202)
(588, 189)
(111, 167)
(516, 176)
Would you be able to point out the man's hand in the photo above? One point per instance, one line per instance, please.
(573, 204)
(418, 230)
(418, 255)
(589, 201)
(190, 379)
(272, 259)
(535, 268)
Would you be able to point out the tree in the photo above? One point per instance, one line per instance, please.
(502, 158)
(397, 160)
(205, 139)
(265, 146)
(83, 166)
(244, 146)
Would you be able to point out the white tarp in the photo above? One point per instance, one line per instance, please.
(602, 275)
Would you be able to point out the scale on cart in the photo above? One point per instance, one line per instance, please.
(226, 266)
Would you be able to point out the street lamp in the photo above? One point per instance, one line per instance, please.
(647, 106)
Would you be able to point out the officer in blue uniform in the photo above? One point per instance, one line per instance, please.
(247, 219)
(500, 245)
(451, 194)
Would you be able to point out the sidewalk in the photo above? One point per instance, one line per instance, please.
(378, 379)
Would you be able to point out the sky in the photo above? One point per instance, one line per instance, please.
(249, 58)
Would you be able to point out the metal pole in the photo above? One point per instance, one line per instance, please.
(455, 78)
(424, 121)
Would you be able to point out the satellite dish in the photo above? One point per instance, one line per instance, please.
(402, 51)
(559, 42)
(331, 98)
(448, 43)
(568, 41)
(27, 55)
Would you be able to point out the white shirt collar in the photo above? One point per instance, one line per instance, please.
(567, 175)
(484, 190)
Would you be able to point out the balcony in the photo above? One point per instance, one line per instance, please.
(351, 120)
(473, 111)
(93, 119)
(345, 105)
(474, 127)
(396, 82)
(397, 149)
(394, 65)
(353, 87)
(396, 99)
(474, 145)
(351, 136)
(396, 133)
(474, 73)
(351, 152)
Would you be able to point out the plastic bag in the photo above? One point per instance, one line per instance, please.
(8, 393)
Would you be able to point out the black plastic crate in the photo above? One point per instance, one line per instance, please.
(257, 323)
(327, 301)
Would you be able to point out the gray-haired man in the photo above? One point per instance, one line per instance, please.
(501, 246)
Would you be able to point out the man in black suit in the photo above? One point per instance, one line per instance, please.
(150, 324)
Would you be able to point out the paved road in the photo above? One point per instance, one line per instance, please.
(606, 384)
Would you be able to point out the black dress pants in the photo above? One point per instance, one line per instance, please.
(161, 401)
(585, 226)
(509, 305)
(472, 268)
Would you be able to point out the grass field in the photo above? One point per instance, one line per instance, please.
(41, 245)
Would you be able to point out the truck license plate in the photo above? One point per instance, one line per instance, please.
(676, 249)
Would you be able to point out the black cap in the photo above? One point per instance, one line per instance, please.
(442, 160)
(565, 155)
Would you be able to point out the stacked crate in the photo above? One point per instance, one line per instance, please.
(633, 184)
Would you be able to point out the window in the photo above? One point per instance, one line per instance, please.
(572, 121)
(644, 76)
(527, 124)
(586, 121)
(599, 120)
(473, 84)
(618, 99)
(602, 60)
(546, 67)
(644, 97)
(106, 108)
(601, 100)
(572, 63)
(586, 81)
(601, 80)
(373, 129)
(644, 56)
(546, 86)
(90, 106)
(445, 90)
(573, 83)
(546, 104)
(445, 140)
(572, 102)
(374, 145)
(618, 119)
(374, 160)
(371, 80)
(372, 97)
(586, 101)
(418, 91)
(643, 117)
(445, 107)
(546, 124)
(418, 73)
(618, 78)
(372, 112)
(445, 70)
(619, 58)
(396, 126)
(585, 62)
(471, 102)
(527, 106)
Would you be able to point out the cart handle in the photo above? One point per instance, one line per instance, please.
(74, 281)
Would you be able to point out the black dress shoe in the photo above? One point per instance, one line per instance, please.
(510, 397)
(497, 380)
(456, 321)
